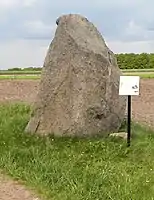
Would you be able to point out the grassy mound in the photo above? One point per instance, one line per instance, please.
(72, 169)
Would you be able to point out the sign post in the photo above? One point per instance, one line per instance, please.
(129, 121)
(129, 86)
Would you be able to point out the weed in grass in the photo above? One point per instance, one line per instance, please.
(76, 169)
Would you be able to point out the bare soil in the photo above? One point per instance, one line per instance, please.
(25, 91)
(12, 190)
(18, 90)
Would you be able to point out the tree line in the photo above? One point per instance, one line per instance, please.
(125, 61)
(135, 61)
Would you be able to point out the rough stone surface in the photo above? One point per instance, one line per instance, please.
(78, 92)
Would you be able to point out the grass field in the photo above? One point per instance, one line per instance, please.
(7, 72)
(34, 75)
(72, 169)
(37, 76)
(22, 77)
(24, 72)
(137, 70)
(142, 75)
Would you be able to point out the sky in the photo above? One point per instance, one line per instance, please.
(27, 27)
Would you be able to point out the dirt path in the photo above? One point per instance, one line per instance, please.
(25, 91)
(11, 190)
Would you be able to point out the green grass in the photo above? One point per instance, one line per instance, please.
(19, 77)
(28, 72)
(73, 169)
(142, 75)
(137, 70)
(36, 77)
(7, 72)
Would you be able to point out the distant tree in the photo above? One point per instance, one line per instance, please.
(125, 61)
(135, 61)
(32, 69)
(15, 69)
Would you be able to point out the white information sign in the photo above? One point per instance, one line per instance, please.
(129, 85)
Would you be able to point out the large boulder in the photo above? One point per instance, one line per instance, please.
(78, 94)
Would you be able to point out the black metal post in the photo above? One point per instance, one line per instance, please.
(129, 121)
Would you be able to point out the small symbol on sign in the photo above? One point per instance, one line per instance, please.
(134, 87)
